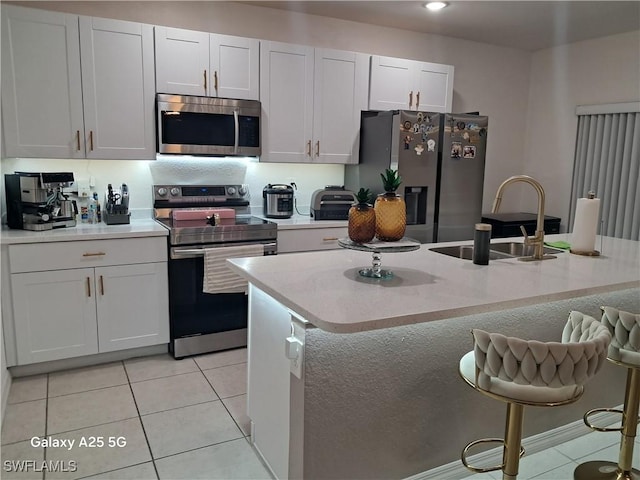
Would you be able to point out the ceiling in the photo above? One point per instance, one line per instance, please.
(527, 25)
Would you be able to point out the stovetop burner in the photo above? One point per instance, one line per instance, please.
(185, 211)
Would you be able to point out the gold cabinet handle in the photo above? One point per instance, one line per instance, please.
(91, 140)
(78, 140)
(92, 254)
(215, 81)
(101, 285)
(205, 81)
(329, 239)
(318, 148)
(411, 99)
(309, 148)
(88, 287)
(417, 100)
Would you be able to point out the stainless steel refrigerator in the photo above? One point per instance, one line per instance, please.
(440, 158)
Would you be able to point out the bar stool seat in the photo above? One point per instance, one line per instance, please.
(531, 373)
(624, 351)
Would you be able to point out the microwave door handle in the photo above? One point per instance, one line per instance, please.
(237, 135)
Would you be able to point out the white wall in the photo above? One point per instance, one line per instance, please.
(605, 70)
(139, 175)
(489, 79)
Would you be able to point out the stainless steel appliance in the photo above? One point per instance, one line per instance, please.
(331, 203)
(35, 201)
(277, 200)
(202, 322)
(440, 158)
(207, 126)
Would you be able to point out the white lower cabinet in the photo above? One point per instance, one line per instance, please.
(64, 313)
(55, 314)
(310, 239)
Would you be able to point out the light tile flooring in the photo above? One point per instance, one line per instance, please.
(180, 420)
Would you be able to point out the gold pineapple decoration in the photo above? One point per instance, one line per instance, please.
(362, 218)
(391, 211)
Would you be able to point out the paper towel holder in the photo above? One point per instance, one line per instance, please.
(589, 253)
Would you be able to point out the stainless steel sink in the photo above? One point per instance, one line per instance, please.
(497, 251)
(519, 249)
(466, 252)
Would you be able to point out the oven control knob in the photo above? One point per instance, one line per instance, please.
(175, 191)
(231, 190)
(242, 190)
(162, 191)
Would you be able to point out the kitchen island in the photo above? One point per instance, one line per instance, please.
(372, 389)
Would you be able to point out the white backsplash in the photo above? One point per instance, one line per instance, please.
(140, 175)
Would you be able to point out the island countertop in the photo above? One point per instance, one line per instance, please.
(325, 289)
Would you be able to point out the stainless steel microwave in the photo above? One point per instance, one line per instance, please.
(207, 126)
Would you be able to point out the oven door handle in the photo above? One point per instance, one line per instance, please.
(177, 253)
(237, 131)
(197, 252)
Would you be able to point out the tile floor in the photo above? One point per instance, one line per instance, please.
(180, 420)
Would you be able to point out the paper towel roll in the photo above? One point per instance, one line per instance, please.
(585, 226)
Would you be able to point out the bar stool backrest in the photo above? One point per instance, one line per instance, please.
(625, 328)
(570, 363)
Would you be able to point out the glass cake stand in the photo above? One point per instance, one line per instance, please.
(377, 247)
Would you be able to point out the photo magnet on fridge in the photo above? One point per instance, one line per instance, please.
(456, 150)
(469, 151)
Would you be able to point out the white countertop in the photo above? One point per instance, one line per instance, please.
(325, 288)
(303, 221)
(82, 231)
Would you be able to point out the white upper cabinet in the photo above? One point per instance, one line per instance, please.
(41, 84)
(200, 63)
(118, 88)
(53, 108)
(235, 66)
(182, 61)
(340, 94)
(406, 84)
(311, 101)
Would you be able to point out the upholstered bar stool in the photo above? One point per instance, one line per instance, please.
(625, 352)
(531, 373)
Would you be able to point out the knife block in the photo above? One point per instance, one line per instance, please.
(116, 218)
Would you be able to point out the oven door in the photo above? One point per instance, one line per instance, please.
(202, 322)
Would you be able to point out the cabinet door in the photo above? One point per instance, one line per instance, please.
(118, 88)
(434, 84)
(182, 61)
(41, 84)
(234, 67)
(286, 93)
(392, 84)
(340, 94)
(133, 309)
(54, 314)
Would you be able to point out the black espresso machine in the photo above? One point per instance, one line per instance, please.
(35, 201)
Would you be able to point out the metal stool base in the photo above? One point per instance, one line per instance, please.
(474, 469)
(599, 470)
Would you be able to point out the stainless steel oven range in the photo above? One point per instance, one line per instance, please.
(204, 322)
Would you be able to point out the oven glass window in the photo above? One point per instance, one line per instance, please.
(193, 312)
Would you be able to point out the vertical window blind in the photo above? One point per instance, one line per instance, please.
(607, 161)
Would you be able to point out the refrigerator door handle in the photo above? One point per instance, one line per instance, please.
(411, 99)
(417, 100)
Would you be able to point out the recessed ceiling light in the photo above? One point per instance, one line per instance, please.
(435, 6)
